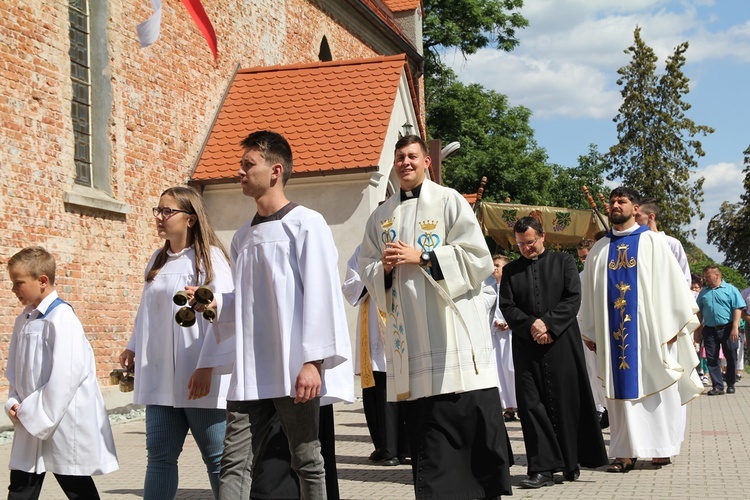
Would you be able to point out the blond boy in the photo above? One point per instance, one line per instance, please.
(54, 401)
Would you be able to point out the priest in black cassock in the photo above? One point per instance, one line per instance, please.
(540, 294)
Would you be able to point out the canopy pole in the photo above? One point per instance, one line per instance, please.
(594, 207)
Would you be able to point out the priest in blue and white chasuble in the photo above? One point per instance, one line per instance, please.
(640, 314)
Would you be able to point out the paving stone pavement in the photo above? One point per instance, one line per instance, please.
(714, 462)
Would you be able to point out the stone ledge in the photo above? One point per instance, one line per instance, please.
(93, 198)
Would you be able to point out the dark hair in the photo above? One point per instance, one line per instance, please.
(274, 148)
(203, 235)
(627, 192)
(408, 140)
(524, 223)
(696, 278)
(711, 266)
(649, 206)
(36, 261)
(585, 243)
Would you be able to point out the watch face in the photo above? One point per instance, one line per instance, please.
(425, 257)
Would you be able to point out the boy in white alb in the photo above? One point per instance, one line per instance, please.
(288, 315)
(60, 422)
(502, 342)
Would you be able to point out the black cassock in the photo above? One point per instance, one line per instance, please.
(558, 416)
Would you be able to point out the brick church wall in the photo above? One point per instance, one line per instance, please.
(163, 99)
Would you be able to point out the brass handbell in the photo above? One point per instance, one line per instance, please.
(185, 317)
(204, 296)
(115, 376)
(181, 298)
(127, 381)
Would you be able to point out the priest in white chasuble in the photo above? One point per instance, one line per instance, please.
(640, 314)
(540, 293)
(424, 259)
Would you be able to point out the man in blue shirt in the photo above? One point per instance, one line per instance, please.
(720, 306)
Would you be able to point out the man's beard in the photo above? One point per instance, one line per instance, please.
(619, 218)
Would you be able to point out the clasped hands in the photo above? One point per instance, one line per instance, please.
(399, 253)
(539, 332)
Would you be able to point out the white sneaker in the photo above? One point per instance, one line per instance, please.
(706, 381)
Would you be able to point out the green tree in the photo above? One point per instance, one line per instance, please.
(657, 150)
(468, 25)
(565, 185)
(729, 229)
(496, 141)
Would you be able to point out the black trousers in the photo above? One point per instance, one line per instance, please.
(28, 486)
(273, 476)
(385, 421)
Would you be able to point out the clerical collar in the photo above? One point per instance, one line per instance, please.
(408, 195)
(259, 219)
(625, 231)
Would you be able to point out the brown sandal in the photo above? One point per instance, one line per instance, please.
(659, 462)
(619, 466)
(509, 415)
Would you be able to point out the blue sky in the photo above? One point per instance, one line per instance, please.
(565, 71)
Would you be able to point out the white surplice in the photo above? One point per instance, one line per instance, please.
(62, 421)
(432, 346)
(502, 343)
(653, 423)
(286, 309)
(166, 354)
(352, 290)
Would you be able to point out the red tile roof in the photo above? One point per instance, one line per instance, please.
(402, 5)
(334, 114)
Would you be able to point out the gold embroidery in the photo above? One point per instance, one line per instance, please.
(428, 225)
(388, 235)
(622, 258)
(620, 334)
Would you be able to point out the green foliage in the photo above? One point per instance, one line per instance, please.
(566, 183)
(657, 152)
(729, 229)
(698, 260)
(469, 25)
(496, 141)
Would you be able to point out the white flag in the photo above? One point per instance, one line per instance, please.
(148, 31)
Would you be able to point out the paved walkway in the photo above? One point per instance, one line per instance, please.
(714, 462)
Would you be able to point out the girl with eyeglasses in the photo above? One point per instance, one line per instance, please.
(181, 373)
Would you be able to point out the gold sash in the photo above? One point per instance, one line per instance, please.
(365, 360)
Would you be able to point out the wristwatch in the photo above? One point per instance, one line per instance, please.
(424, 259)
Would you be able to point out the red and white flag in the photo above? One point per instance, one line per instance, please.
(149, 30)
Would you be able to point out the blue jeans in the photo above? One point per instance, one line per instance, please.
(166, 428)
(248, 424)
(714, 337)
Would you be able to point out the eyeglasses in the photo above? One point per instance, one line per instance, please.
(167, 212)
(521, 244)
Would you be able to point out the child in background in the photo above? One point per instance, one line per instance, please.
(502, 339)
(696, 283)
(60, 422)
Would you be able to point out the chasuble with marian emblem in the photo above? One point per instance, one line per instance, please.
(436, 332)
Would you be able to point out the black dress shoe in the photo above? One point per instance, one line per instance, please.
(390, 462)
(730, 390)
(377, 455)
(572, 475)
(715, 392)
(537, 480)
